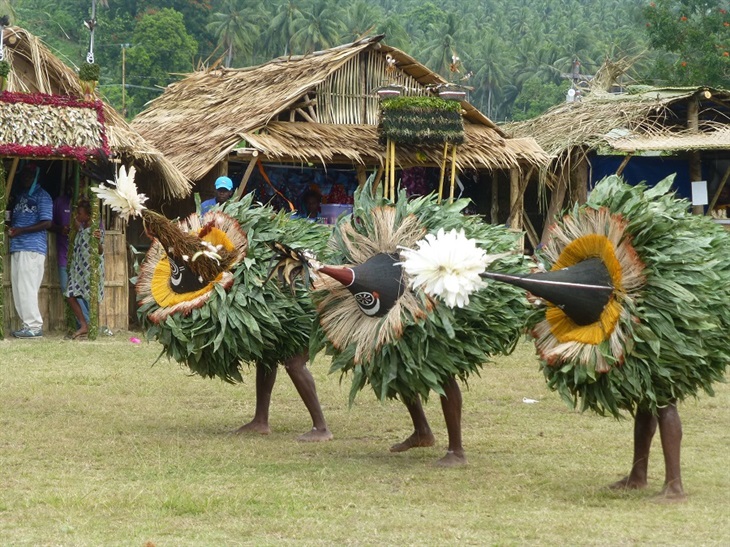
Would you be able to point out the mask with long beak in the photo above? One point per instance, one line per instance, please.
(376, 284)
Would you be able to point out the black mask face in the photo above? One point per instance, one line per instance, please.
(377, 284)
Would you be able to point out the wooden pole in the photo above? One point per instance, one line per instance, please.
(11, 176)
(624, 163)
(361, 175)
(694, 157)
(238, 194)
(443, 171)
(557, 199)
(516, 199)
(719, 190)
(579, 181)
(494, 211)
(392, 170)
(453, 173)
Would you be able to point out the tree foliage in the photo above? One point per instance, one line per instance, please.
(697, 34)
(504, 45)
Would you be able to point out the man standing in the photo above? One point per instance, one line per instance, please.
(223, 192)
(31, 218)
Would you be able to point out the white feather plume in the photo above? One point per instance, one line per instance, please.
(447, 265)
(123, 196)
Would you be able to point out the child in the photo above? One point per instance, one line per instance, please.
(79, 273)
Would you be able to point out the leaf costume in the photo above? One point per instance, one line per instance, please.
(663, 337)
(418, 344)
(254, 321)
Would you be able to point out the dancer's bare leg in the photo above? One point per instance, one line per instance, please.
(645, 424)
(670, 430)
(296, 368)
(451, 406)
(265, 380)
(422, 435)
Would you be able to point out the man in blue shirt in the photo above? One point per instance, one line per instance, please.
(31, 218)
(223, 192)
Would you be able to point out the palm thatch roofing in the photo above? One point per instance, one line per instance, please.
(643, 119)
(45, 110)
(318, 106)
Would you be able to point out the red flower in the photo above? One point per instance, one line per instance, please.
(726, 24)
(683, 18)
(723, 11)
(725, 54)
(684, 63)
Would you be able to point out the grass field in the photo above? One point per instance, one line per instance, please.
(99, 447)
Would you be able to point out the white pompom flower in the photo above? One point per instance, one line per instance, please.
(447, 265)
(123, 196)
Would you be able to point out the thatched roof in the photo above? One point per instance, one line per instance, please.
(359, 144)
(69, 122)
(643, 119)
(200, 120)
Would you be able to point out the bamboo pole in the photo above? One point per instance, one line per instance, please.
(494, 211)
(443, 171)
(453, 173)
(624, 163)
(392, 170)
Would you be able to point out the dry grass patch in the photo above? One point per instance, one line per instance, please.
(98, 447)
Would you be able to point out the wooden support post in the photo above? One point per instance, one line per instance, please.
(694, 158)
(11, 176)
(392, 170)
(530, 230)
(516, 200)
(238, 194)
(556, 205)
(494, 211)
(361, 175)
(719, 190)
(453, 173)
(378, 178)
(624, 163)
(579, 181)
(443, 171)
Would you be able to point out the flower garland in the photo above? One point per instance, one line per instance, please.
(80, 153)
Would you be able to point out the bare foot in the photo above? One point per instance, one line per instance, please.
(315, 436)
(452, 459)
(416, 440)
(628, 483)
(672, 493)
(253, 427)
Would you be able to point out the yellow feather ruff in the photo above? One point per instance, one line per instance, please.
(562, 326)
(591, 233)
(163, 294)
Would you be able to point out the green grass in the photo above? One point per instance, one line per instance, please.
(99, 447)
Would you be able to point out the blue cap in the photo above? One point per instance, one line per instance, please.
(223, 182)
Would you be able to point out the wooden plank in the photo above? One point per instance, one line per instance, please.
(719, 190)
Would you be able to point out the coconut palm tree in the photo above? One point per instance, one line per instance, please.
(283, 26)
(236, 27)
(321, 27)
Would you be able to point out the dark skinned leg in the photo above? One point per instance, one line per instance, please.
(451, 406)
(296, 368)
(670, 430)
(422, 435)
(76, 309)
(645, 425)
(265, 379)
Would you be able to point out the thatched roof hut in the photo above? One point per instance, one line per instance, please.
(47, 118)
(644, 134)
(319, 108)
(54, 121)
